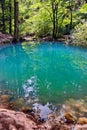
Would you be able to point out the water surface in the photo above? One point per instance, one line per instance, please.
(47, 73)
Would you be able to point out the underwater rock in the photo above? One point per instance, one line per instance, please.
(11, 120)
(80, 127)
(82, 120)
(83, 109)
(18, 103)
(6, 105)
(76, 107)
(70, 118)
(4, 98)
(26, 109)
(55, 127)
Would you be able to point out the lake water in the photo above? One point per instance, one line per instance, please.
(47, 74)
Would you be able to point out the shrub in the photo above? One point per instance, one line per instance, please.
(79, 35)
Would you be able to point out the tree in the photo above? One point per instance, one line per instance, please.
(16, 15)
(3, 15)
(10, 16)
(55, 17)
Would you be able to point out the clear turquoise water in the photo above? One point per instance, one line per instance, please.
(44, 73)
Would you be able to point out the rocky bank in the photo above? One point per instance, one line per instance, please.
(5, 38)
(12, 120)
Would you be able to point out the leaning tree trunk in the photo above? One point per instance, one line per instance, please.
(16, 14)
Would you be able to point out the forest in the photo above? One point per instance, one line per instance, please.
(43, 64)
(44, 18)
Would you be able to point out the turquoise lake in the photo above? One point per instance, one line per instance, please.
(46, 73)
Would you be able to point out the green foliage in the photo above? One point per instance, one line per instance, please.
(79, 35)
(83, 8)
(42, 17)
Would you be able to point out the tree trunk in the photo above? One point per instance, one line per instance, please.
(10, 17)
(54, 20)
(71, 19)
(16, 14)
(56, 13)
(3, 15)
(70, 5)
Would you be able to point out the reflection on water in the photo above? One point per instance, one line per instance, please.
(29, 87)
(43, 110)
(44, 73)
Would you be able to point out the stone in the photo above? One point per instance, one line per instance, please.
(55, 127)
(4, 98)
(5, 38)
(69, 118)
(82, 120)
(26, 109)
(83, 109)
(11, 120)
(18, 103)
(80, 127)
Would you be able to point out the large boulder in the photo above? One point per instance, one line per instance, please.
(80, 127)
(82, 120)
(11, 120)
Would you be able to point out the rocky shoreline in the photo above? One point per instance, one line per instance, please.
(12, 120)
(26, 119)
(7, 38)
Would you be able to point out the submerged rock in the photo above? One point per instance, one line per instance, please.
(26, 109)
(18, 103)
(4, 98)
(76, 107)
(70, 118)
(11, 120)
(80, 127)
(82, 120)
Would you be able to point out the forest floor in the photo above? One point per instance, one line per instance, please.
(45, 38)
(6, 38)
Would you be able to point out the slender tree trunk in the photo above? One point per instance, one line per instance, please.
(16, 14)
(3, 15)
(56, 13)
(70, 15)
(54, 20)
(10, 17)
(71, 19)
(54, 26)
